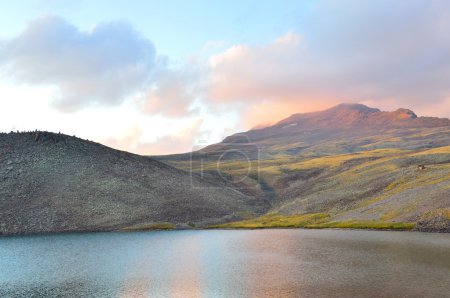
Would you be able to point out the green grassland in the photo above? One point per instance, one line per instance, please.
(276, 221)
(367, 224)
(379, 188)
(150, 227)
(311, 221)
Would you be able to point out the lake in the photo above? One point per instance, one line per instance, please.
(227, 263)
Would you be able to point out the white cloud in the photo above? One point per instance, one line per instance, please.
(213, 45)
(101, 66)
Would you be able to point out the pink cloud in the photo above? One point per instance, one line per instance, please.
(132, 140)
(171, 95)
(345, 55)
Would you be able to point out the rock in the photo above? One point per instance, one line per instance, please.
(435, 224)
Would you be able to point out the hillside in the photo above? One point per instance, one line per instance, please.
(351, 164)
(56, 183)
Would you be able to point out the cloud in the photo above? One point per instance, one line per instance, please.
(385, 53)
(134, 140)
(213, 45)
(101, 66)
(251, 73)
(173, 92)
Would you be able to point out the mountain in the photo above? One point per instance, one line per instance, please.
(348, 166)
(349, 163)
(56, 183)
(345, 128)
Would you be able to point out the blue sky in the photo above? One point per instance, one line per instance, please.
(178, 28)
(157, 77)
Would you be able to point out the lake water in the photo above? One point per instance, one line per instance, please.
(216, 263)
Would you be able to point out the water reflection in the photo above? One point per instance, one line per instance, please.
(264, 263)
(184, 267)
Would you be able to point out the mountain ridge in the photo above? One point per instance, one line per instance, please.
(347, 116)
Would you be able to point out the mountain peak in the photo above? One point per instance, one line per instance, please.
(344, 112)
(354, 107)
(357, 118)
(405, 114)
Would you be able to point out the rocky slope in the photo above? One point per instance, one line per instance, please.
(56, 183)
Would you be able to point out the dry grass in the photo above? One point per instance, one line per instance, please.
(311, 221)
(358, 224)
(151, 227)
(276, 221)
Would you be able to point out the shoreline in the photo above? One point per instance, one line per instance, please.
(60, 233)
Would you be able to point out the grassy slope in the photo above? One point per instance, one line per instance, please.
(312, 221)
(376, 188)
(356, 164)
(150, 227)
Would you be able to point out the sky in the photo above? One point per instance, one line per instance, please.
(162, 77)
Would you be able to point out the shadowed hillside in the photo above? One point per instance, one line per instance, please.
(54, 183)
